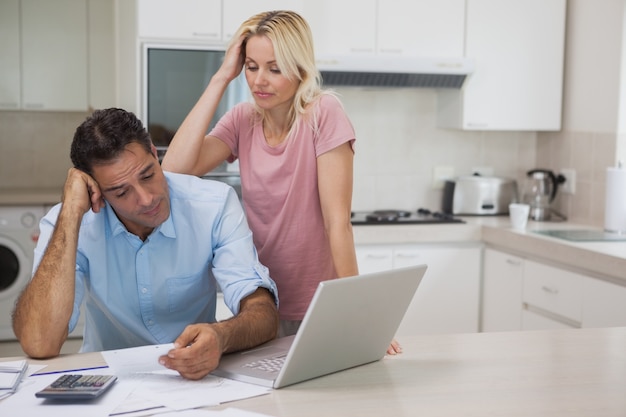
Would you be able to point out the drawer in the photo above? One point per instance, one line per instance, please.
(552, 289)
(533, 321)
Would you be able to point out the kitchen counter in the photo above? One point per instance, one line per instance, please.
(29, 196)
(602, 259)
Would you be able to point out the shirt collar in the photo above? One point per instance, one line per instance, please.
(166, 228)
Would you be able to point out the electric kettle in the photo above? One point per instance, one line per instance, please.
(540, 190)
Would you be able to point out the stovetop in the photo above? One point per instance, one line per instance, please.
(420, 216)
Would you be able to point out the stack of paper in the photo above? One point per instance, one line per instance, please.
(11, 373)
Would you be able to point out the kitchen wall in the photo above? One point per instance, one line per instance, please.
(397, 148)
(34, 148)
(592, 137)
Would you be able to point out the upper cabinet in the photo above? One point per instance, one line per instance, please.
(518, 51)
(46, 57)
(382, 27)
(180, 19)
(10, 52)
(234, 13)
(212, 21)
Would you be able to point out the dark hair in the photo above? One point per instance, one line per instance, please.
(103, 135)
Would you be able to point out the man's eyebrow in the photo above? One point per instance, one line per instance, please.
(141, 173)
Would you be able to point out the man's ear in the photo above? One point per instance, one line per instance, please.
(154, 151)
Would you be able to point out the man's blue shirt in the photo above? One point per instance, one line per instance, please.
(145, 292)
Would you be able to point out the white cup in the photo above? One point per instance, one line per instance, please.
(519, 215)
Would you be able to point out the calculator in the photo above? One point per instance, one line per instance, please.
(77, 387)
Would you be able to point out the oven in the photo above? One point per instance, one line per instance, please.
(19, 231)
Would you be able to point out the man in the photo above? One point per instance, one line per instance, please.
(140, 247)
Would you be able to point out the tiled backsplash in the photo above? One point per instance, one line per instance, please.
(35, 148)
(398, 146)
(589, 154)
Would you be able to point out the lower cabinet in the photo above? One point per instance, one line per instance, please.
(448, 298)
(523, 294)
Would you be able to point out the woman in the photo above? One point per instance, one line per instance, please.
(295, 150)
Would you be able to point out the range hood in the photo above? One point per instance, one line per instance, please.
(388, 71)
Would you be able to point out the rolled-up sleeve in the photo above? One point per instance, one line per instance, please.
(236, 265)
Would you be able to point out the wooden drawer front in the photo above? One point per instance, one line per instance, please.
(554, 290)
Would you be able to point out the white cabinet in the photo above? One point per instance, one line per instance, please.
(518, 51)
(222, 312)
(425, 28)
(180, 19)
(502, 291)
(234, 13)
(447, 300)
(44, 55)
(10, 52)
(555, 292)
(212, 21)
(520, 293)
(604, 304)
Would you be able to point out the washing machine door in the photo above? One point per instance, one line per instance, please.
(15, 272)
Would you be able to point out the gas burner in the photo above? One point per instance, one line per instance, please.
(421, 216)
(387, 215)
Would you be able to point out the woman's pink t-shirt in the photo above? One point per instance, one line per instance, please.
(281, 198)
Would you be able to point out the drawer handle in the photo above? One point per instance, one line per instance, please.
(513, 262)
(372, 256)
(550, 290)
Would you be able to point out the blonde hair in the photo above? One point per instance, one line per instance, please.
(292, 40)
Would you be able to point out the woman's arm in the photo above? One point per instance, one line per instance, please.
(190, 152)
(335, 188)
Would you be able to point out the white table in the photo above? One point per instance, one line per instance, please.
(569, 373)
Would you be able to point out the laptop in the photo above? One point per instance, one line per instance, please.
(350, 322)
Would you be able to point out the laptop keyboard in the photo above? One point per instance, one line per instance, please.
(271, 365)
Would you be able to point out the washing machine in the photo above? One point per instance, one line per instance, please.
(19, 231)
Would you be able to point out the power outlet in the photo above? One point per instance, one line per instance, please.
(569, 186)
(440, 175)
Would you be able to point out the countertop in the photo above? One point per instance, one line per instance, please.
(30, 196)
(574, 372)
(600, 259)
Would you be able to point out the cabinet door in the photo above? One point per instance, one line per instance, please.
(54, 55)
(235, 13)
(518, 50)
(554, 290)
(502, 291)
(424, 28)
(180, 19)
(342, 27)
(604, 304)
(10, 53)
(447, 300)
(374, 258)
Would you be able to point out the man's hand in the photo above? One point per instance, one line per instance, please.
(81, 192)
(197, 351)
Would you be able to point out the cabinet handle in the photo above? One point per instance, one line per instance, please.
(205, 34)
(373, 256)
(407, 255)
(550, 290)
(513, 262)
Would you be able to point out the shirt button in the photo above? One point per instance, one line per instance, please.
(144, 290)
